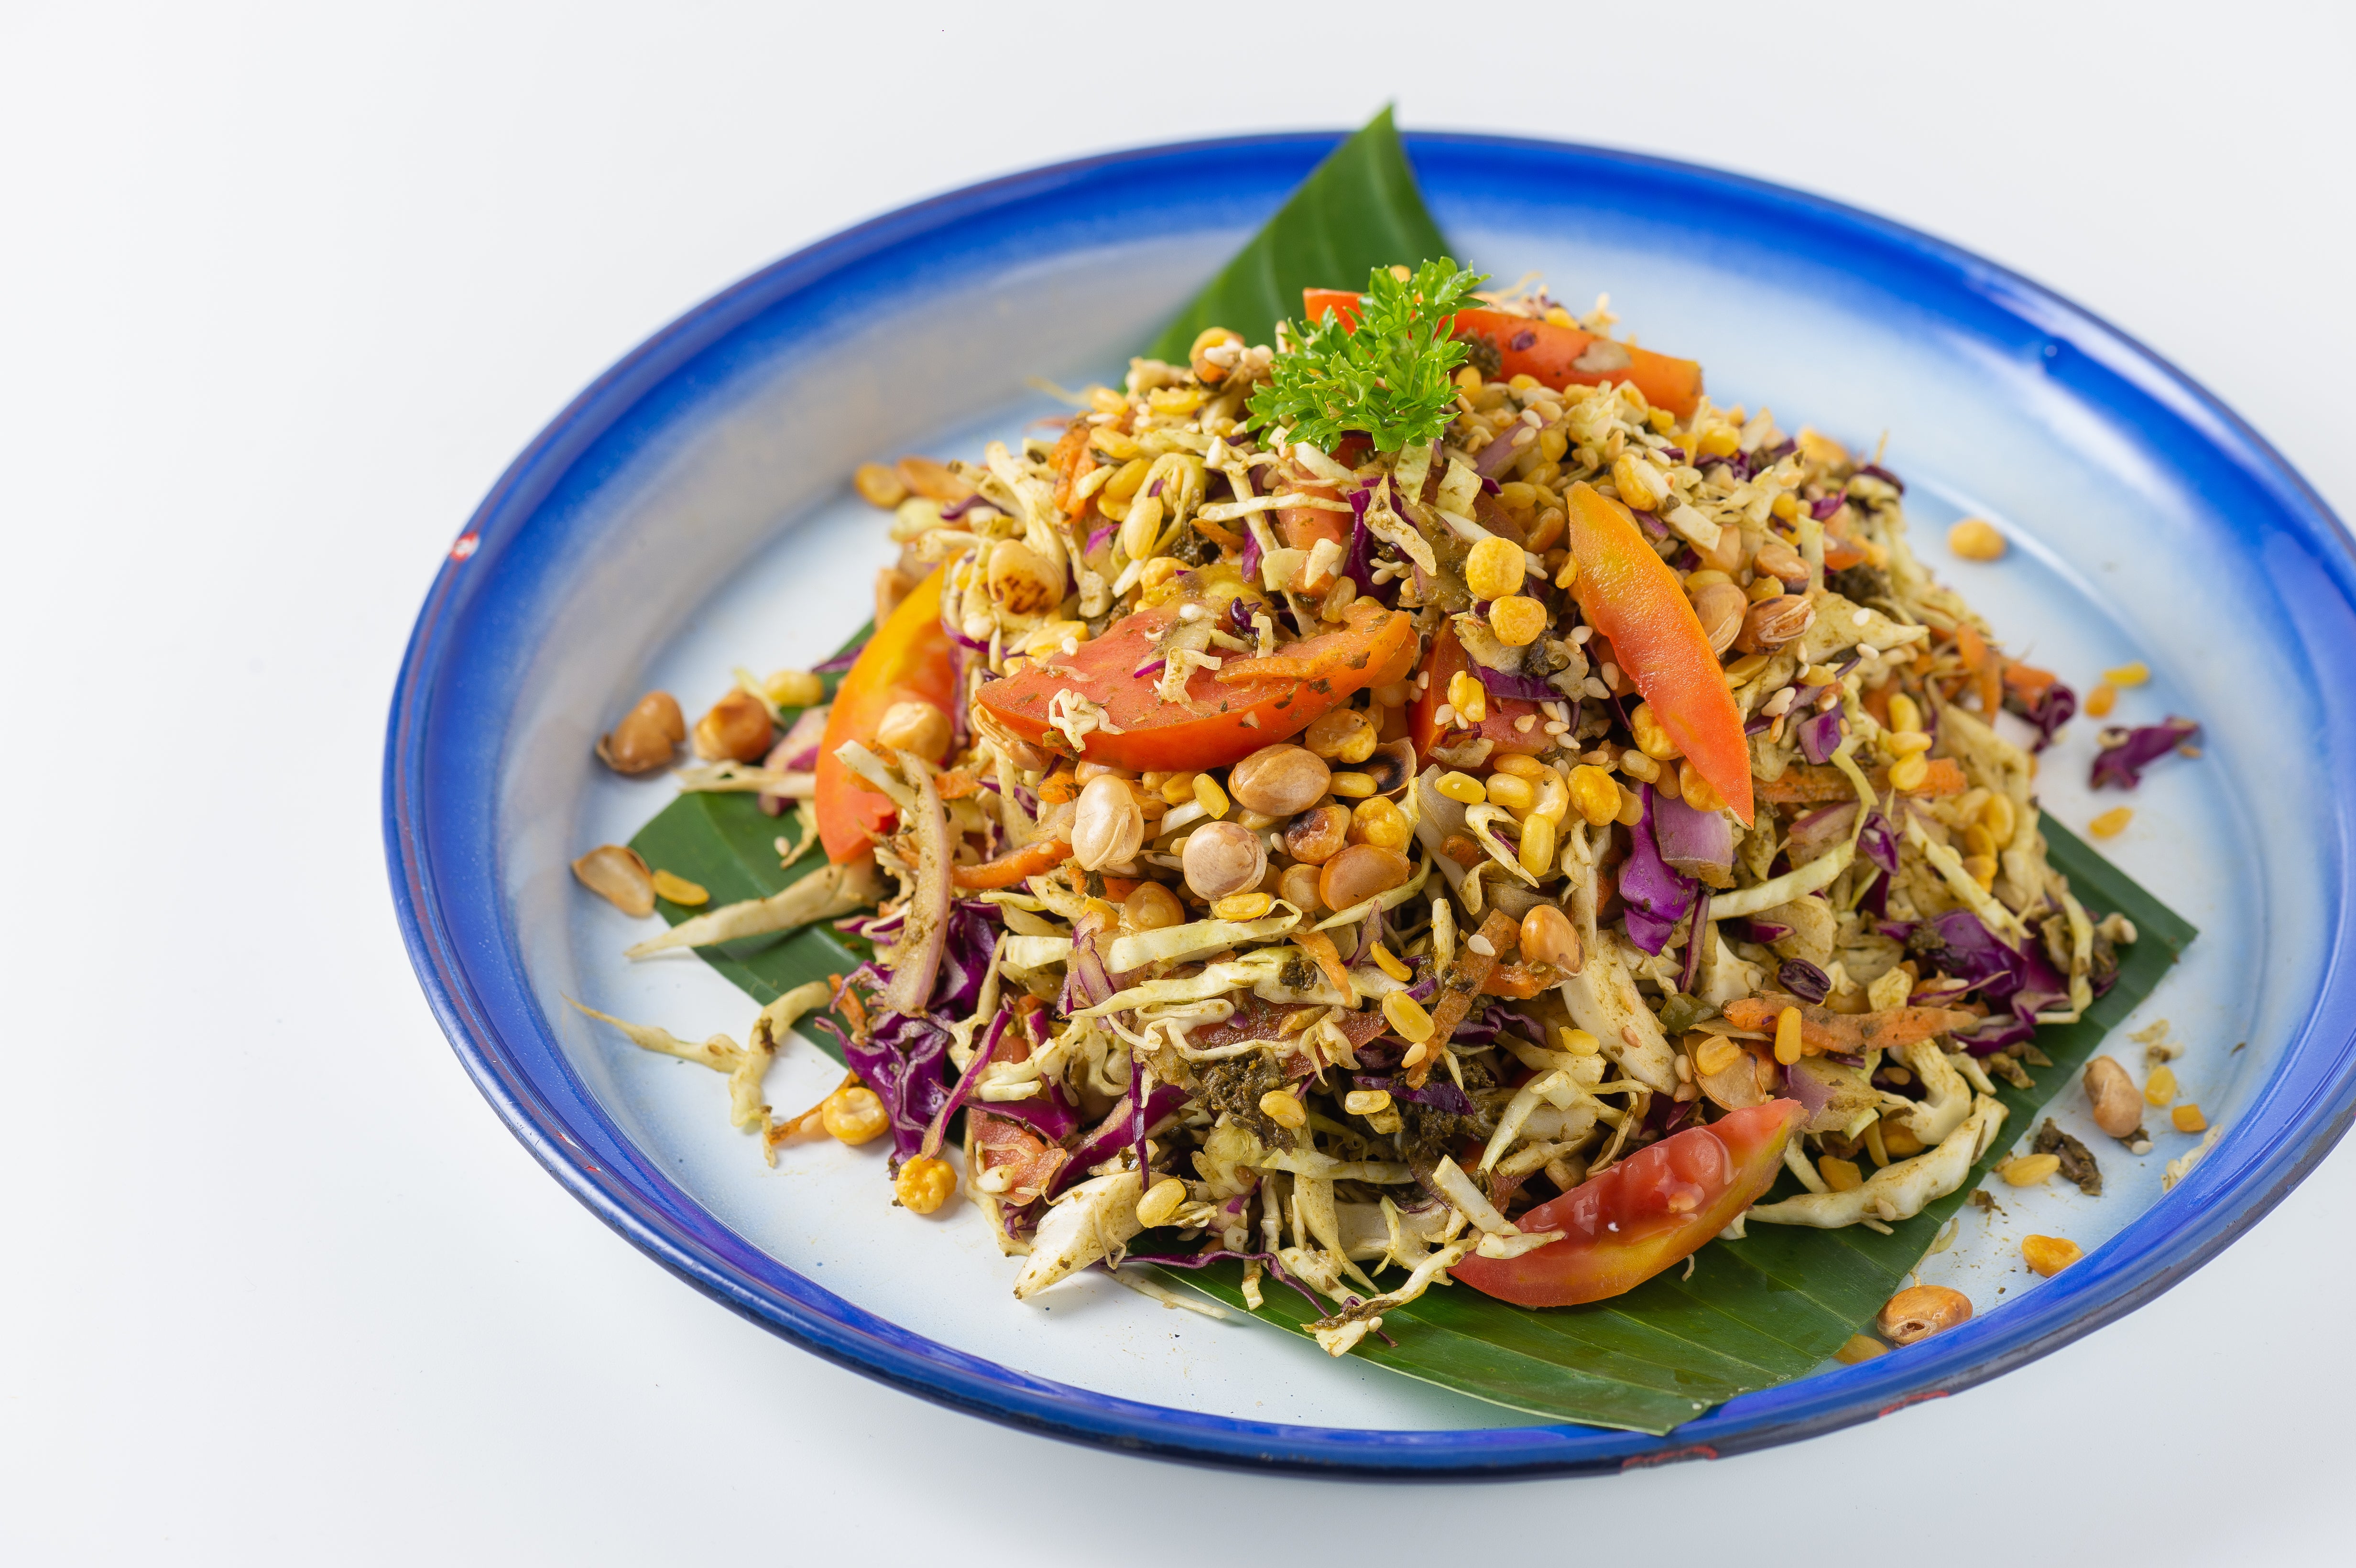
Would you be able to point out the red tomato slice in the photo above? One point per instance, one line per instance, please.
(1630, 596)
(1227, 714)
(1558, 356)
(1446, 658)
(906, 660)
(1654, 1209)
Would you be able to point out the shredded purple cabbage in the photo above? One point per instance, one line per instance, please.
(1878, 840)
(1249, 564)
(2054, 706)
(903, 1057)
(2122, 761)
(1804, 980)
(1696, 936)
(1691, 840)
(1887, 477)
(1657, 897)
(1653, 525)
(1500, 453)
(1203, 1260)
(1438, 1093)
(1505, 683)
(1098, 537)
(1820, 737)
(1824, 507)
(1118, 1131)
(1239, 615)
(950, 514)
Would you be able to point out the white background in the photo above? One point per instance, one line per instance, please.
(282, 289)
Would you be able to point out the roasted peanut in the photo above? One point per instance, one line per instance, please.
(917, 727)
(1150, 907)
(1780, 561)
(2117, 1104)
(1772, 623)
(737, 729)
(1316, 835)
(1298, 887)
(1278, 780)
(1108, 826)
(1358, 873)
(1548, 937)
(643, 741)
(616, 873)
(1223, 858)
(1919, 1311)
(1720, 607)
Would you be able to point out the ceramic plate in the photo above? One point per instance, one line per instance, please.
(691, 512)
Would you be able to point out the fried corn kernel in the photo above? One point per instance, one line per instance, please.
(1632, 808)
(1840, 1175)
(1405, 1015)
(1461, 788)
(680, 890)
(1901, 744)
(1898, 1142)
(1493, 569)
(1651, 739)
(1720, 441)
(1569, 574)
(1281, 1107)
(924, 1184)
(2101, 700)
(1975, 539)
(794, 688)
(1175, 789)
(1367, 1102)
(1161, 1202)
(2157, 1090)
(1209, 796)
(1243, 906)
(2112, 823)
(1468, 697)
(1909, 772)
(1381, 824)
(1859, 1347)
(2048, 1256)
(1578, 1041)
(1785, 505)
(1905, 715)
(854, 1114)
(1595, 793)
(1998, 817)
(1787, 1036)
(1389, 963)
(2028, 1169)
(1517, 619)
(2189, 1119)
(1511, 791)
(2133, 674)
(1640, 484)
(1537, 846)
(1715, 1055)
(878, 486)
(1353, 786)
(1981, 869)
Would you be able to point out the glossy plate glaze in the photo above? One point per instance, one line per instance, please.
(690, 512)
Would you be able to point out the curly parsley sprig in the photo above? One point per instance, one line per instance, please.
(1389, 376)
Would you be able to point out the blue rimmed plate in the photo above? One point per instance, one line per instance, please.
(690, 512)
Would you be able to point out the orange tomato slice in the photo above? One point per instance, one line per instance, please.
(907, 659)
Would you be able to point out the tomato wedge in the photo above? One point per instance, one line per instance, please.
(1558, 356)
(1447, 657)
(907, 659)
(1227, 714)
(1632, 598)
(1654, 1209)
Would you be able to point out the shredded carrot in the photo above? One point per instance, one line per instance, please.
(1804, 785)
(1058, 787)
(1030, 861)
(2027, 680)
(1970, 646)
(1223, 537)
(1852, 1034)
(956, 783)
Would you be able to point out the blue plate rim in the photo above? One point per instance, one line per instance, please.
(2290, 1125)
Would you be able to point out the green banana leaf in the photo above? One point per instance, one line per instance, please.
(1752, 1314)
(1357, 211)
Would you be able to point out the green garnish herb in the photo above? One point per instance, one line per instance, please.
(1388, 378)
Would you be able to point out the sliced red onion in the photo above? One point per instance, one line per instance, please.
(1878, 840)
(1820, 737)
(952, 513)
(1887, 477)
(1096, 537)
(1824, 507)
(2122, 761)
(1696, 934)
(1499, 454)
(797, 751)
(842, 661)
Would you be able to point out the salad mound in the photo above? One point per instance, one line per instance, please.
(1429, 797)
